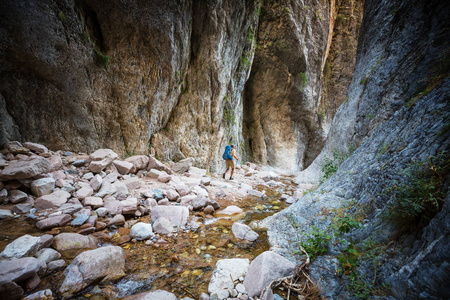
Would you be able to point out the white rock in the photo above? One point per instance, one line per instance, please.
(201, 192)
(140, 162)
(153, 173)
(256, 193)
(106, 189)
(178, 215)
(240, 288)
(16, 196)
(231, 210)
(94, 202)
(123, 167)
(47, 255)
(226, 272)
(99, 265)
(121, 190)
(164, 177)
(89, 176)
(141, 231)
(96, 182)
(183, 165)
(182, 189)
(43, 186)
(172, 195)
(196, 171)
(264, 268)
(84, 192)
(163, 225)
(153, 163)
(25, 245)
(242, 231)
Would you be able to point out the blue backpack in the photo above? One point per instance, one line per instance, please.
(227, 154)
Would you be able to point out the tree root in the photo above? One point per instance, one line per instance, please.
(299, 282)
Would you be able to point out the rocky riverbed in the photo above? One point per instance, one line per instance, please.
(98, 227)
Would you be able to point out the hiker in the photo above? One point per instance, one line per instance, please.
(228, 155)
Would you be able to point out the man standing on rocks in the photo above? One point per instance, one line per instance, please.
(229, 154)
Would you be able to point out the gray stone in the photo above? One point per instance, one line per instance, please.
(96, 182)
(54, 221)
(22, 208)
(46, 241)
(56, 265)
(53, 200)
(67, 241)
(182, 189)
(157, 194)
(99, 265)
(89, 176)
(18, 269)
(163, 225)
(84, 192)
(42, 186)
(79, 163)
(123, 167)
(121, 190)
(117, 220)
(152, 295)
(153, 163)
(25, 245)
(164, 177)
(3, 196)
(226, 272)
(101, 212)
(199, 203)
(231, 210)
(113, 205)
(41, 295)
(242, 231)
(70, 208)
(16, 196)
(140, 162)
(255, 193)
(264, 268)
(106, 189)
(47, 255)
(129, 205)
(6, 213)
(79, 220)
(172, 195)
(94, 202)
(35, 147)
(183, 165)
(141, 231)
(26, 168)
(178, 215)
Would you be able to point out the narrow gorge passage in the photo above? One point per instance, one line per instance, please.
(114, 116)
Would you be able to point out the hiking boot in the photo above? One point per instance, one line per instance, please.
(223, 176)
(231, 178)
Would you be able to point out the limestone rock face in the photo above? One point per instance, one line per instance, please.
(106, 263)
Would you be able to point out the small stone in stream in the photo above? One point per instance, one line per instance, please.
(231, 210)
(158, 194)
(46, 241)
(102, 211)
(141, 231)
(100, 225)
(47, 255)
(52, 222)
(22, 208)
(124, 239)
(242, 231)
(209, 210)
(16, 196)
(41, 295)
(25, 245)
(79, 220)
(28, 216)
(118, 220)
(79, 163)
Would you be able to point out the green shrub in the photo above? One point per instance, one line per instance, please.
(302, 79)
(417, 192)
(317, 243)
(346, 223)
(331, 165)
(101, 58)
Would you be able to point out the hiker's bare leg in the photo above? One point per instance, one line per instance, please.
(232, 171)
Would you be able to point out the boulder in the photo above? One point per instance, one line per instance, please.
(22, 208)
(35, 147)
(55, 221)
(18, 270)
(140, 162)
(152, 295)
(25, 245)
(231, 210)
(56, 163)
(16, 147)
(101, 154)
(199, 203)
(196, 171)
(183, 165)
(67, 241)
(5, 213)
(106, 189)
(96, 182)
(153, 163)
(141, 231)
(264, 268)
(153, 173)
(16, 196)
(53, 200)
(123, 167)
(178, 215)
(132, 183)
(117, 220)
(164, 177)
(84, 192)
(163, 225)
(93, 266)
(129, 206)
(94, 202)
(47, 255)
(242, 231)
(226, 272)
(113, 205)
(43, 186)
(41, 295)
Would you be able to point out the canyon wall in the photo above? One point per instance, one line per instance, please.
(397, 117)
(171, 78)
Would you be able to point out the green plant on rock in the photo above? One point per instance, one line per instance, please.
(229, 117)
(346, 223)
(302, 79)
(416, 194)
(331, 165)
(317, 243)
(62, 17)
(101, 58)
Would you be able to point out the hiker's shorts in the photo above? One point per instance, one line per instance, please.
(229, 164)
